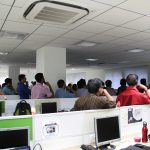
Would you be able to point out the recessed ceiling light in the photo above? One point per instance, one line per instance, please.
(91, 59)
(13, 35)
(86, 44)
(137, 50)
(3, 53)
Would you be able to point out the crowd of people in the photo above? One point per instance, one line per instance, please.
(96, 94)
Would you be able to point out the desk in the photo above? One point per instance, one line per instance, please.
(123, 143)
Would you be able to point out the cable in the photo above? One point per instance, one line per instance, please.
(38, 144)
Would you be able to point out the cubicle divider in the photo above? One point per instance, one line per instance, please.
(68, 129)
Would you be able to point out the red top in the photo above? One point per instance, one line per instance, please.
(131, 96)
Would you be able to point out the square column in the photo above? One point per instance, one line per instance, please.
(51, 61)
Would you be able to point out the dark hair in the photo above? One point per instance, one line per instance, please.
(132, 79)
(123, 82)
(8, 80)
(94, 85)
(74, 87)
(108, 83)
(143, 81)
(21, 76)
(39, 77)
(60, 83)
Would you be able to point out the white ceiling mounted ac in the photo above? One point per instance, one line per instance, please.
(47, 11)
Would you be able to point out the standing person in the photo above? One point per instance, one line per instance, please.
(61, 92)
(40, 90)
(8, 89)
(131, 95)
(23, 88)
(109, 89)
(122, 87)
(93, 100)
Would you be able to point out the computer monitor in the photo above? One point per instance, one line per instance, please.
(107, 130)
(50, 107)
(17, 138)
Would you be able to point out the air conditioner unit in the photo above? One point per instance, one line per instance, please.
(47, 11)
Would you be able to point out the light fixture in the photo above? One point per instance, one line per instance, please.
(91, 59)
(3, 53)
(124, 62)
(86, 44)
(136, 50)
(13, 35)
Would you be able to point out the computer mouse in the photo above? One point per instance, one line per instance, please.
(139, 145)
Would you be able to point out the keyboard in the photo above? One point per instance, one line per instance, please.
(137, 147)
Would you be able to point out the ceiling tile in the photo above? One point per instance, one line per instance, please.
(117, 16)
(138, 36)
(94, 27)
(6, 2)
(39, 38)
(4, 11)
(63, 42)
(47, 30)
(19, 27)
(8, 44)
(78, 35)
(140, 6)
(120, 32)
(121, 41)
(110, 2)
(1, 23)
(100, 38)
(139, 24)
(20, 3)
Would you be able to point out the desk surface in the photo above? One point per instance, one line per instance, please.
(124, 142)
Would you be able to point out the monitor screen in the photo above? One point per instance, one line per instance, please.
(49, 107)
(107, 130)
(14, 137)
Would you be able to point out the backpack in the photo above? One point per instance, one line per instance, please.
(22, 108)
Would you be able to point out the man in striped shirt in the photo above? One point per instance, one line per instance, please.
(94, 100)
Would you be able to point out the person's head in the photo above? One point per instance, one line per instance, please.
(94, 85)
(143, 81)
(132, 79)
(60, 83)
(22, 78)
(8, 81)
(74, 87)
(39, 77)
(108, 83)
(123, 82)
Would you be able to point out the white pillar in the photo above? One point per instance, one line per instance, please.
(13, 73)
(51, 61)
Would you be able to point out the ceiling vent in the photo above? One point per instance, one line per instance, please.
(47, 11)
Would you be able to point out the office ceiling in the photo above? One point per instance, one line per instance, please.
(115, 25)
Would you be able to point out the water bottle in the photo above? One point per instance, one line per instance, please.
(144, 132)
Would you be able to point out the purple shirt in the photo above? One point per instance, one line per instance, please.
(40, 91)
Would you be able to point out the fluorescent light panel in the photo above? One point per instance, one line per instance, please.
(3, 53)
(91, 59)
(86, 44)
(137, 50)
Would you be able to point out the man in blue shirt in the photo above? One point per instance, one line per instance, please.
(61, 92)
(8, 88)
(23, 88)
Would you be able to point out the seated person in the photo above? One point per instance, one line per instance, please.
(142, 81)
(8, 88)
(61, 92)
(131, 95)
(82, 90)
(122, 87)
(93, 100)
(109, 89)
(40, 90)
